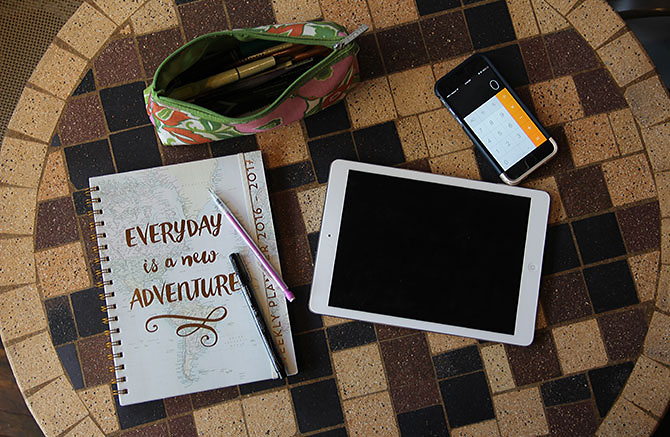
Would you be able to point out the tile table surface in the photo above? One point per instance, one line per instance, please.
(601, 356)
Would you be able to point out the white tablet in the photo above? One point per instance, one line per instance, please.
(430, 252)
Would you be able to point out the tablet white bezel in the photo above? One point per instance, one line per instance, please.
(532, 262)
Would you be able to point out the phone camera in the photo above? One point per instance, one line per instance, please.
(494, 85)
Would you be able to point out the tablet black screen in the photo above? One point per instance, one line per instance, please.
(430, 252)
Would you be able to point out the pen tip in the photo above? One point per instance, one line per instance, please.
(289, 295)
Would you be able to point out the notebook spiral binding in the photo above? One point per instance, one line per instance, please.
(103, 281)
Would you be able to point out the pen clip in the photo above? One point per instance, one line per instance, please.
(239, 268)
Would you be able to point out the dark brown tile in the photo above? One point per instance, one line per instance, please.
(211, 397)
(598, 92)
(249, 13)
(583, 191)
(95, 362)
(569, 53)
(182, 426)
(524, 94)
(287, 215)
(418, 165)
(178, 405)
(623, 333)
(369, 58)
(87, 233)
(153, 430)
(565, 298)
(402, 47)
(410, 373)
(535, 56)
(118, 63)
(296, 260)
(575, 420)
(202, 17)
(178, 154)
(537, 362)
(56, 223)
(387, 332)
(562, 161)
(155, 47)
(640, 227)
(446, 36)
(82, 120)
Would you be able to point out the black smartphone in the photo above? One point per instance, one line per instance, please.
(495, 118)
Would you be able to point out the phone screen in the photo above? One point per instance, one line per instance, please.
(493, 114)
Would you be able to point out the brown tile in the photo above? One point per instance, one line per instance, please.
(155, 47)
(298, 10)
(629, 179)
(569, 53)
(387, 332)
(349, 13)
(625, 59)
(640, 227)
(370, 415)
(62, 270)
(249, 13)
(21, 312)
(199, 18)
(411, 138)
(565, 297)
(283, 145)
(446, 36)
(417, 165)
(487, 428)
(596, 21)
(579, 346)
(183, 426)
(548, 184)
(56, 223)
(648, 386)
(54, 179)
(17, 210)
(286, 211)
(34, 361)
(54, 421)
(656, 342)
(497, 367)
(537, 362)
(385, 14)
(154, 16)
(535, 57)
(583, 191)
(644, 269)
(412, 91)
(623, 333)
(36, 114)
(402, 47)
(458, 164)
(663, 189)
(520, 11)
(68, 67)
(21, 162)
(177, 405)
(556, 101)
(562, 161)
(87, 30)
(657, 146)
(95, 360)
(442, 132)
(118, 63)
(296, 260)
(572, 420)
(663, 298)
(521, 413)
(369, 57)
(591, 140)
(598, 92)
(371, 103)
(17, 262)
(665, 241)
(152, 430)
(626, 420)
(625, 131)
(223, 419)
(179, 154)
(410, 373)
(562, 6)
(211, 397)
(649, 101)
(82, 120)
(270, 414)
(100, 403)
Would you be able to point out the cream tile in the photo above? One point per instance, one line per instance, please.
(648, 386)
(579, 346)
(625, 131)
(625, 59)
(370, 415)
(591, 140)
(663, 190)
(21, 162)
(626, 420)
(444, 67)
(411, 138)
(270, 414)
(36, 114)
(56, 407)
(54, 180)
(34, 361)
(596, 21)
(521, 413)
(562, 6)
(69, 68)
(663, 299)
(548, 184)
(556, 101)
(523, 21)
(442, 132)
(665, 240)
(371, 103)
(488, 428)
(359, 371)
(62, 270)
(17, 262)
(385, 13)
(413, 91)
(283, 146)
(349, 13)
(440, 343)
(649, 101)
(119, 10)
(658, 338)
(88, 30)
(547, 18)
(85, 428)
(311, 204)
(329, 321)
(658, 146)
(100, 403)
(154, 16)
(296, 10)
(497, 367)
(17, 210)
(459, 164)
(629, 179)
(644, 269)
(21, 312)
(221, 419)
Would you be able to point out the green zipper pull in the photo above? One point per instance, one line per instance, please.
(349, 38)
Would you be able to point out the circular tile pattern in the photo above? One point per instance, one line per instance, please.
(600, 358)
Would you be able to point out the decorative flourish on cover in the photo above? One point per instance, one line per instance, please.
(191, 328)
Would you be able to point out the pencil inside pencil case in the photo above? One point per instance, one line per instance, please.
(241, 82)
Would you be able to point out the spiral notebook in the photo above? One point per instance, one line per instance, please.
(177, 319)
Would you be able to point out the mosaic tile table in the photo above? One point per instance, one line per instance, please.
(600, 360)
